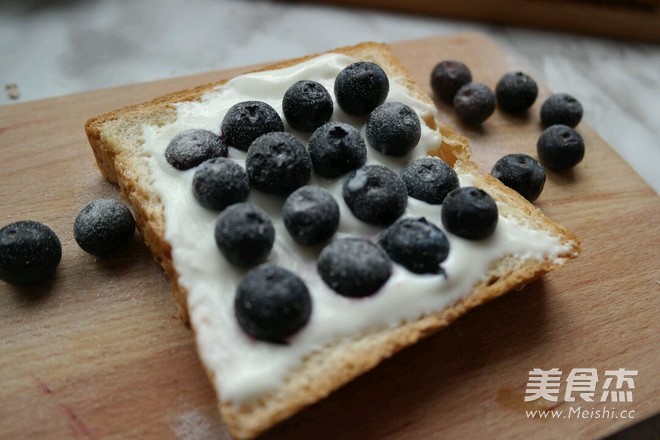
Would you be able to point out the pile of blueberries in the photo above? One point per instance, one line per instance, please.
(31, 251)
(271, 302)
(559, 147)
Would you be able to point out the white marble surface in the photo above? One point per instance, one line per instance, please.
(53, 48)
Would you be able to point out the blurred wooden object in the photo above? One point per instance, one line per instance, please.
(633, 19)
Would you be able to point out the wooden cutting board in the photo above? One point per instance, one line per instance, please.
(632, 19)
(100, 352)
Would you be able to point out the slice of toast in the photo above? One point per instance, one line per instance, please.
(125, 155)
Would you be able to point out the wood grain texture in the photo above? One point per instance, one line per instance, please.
(100, 354)
(632, 19)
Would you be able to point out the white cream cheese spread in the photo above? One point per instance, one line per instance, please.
(245, 368)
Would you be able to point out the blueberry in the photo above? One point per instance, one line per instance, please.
(429, 179)
(336, 148)
(354, 267)
(393, 129)
(278, 163)
(311, 215)
(447, 77)
(272, 303)
(361, 87)
(474, 103)
(521, 173)
(103, 227)
(29, 253)
(307, 105)
(244, 234)
(416, 244)
(561, 108)
(560, 147)
(375, 194)
(191, 147)
(469, 213)
(247, 120)
(516, 92)
(220, 182)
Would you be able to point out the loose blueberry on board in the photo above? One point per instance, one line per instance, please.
(474, 103)
(311, 215)
(354, 267)
(361, 87)
(29, 253)
(375, 194)
(561, 108)
(416, 244)
(516, 92)
(278, 163)
(220, 182)
(307, 105)
(246, 121)
(191, 147)
(447, 77)
(336, 148)
(521, 173)
(244, 234)
(470, 213)
(103, 227)
(560, 147)
(429, 179)
(272, 303)
(393, 129)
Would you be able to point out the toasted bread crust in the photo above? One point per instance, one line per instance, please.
(321, 372)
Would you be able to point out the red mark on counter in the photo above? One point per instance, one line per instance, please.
(76, 425)
(18, 125)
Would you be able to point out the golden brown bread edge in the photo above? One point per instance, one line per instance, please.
(321, 372)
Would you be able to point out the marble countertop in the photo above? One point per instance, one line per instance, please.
(52, 48)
